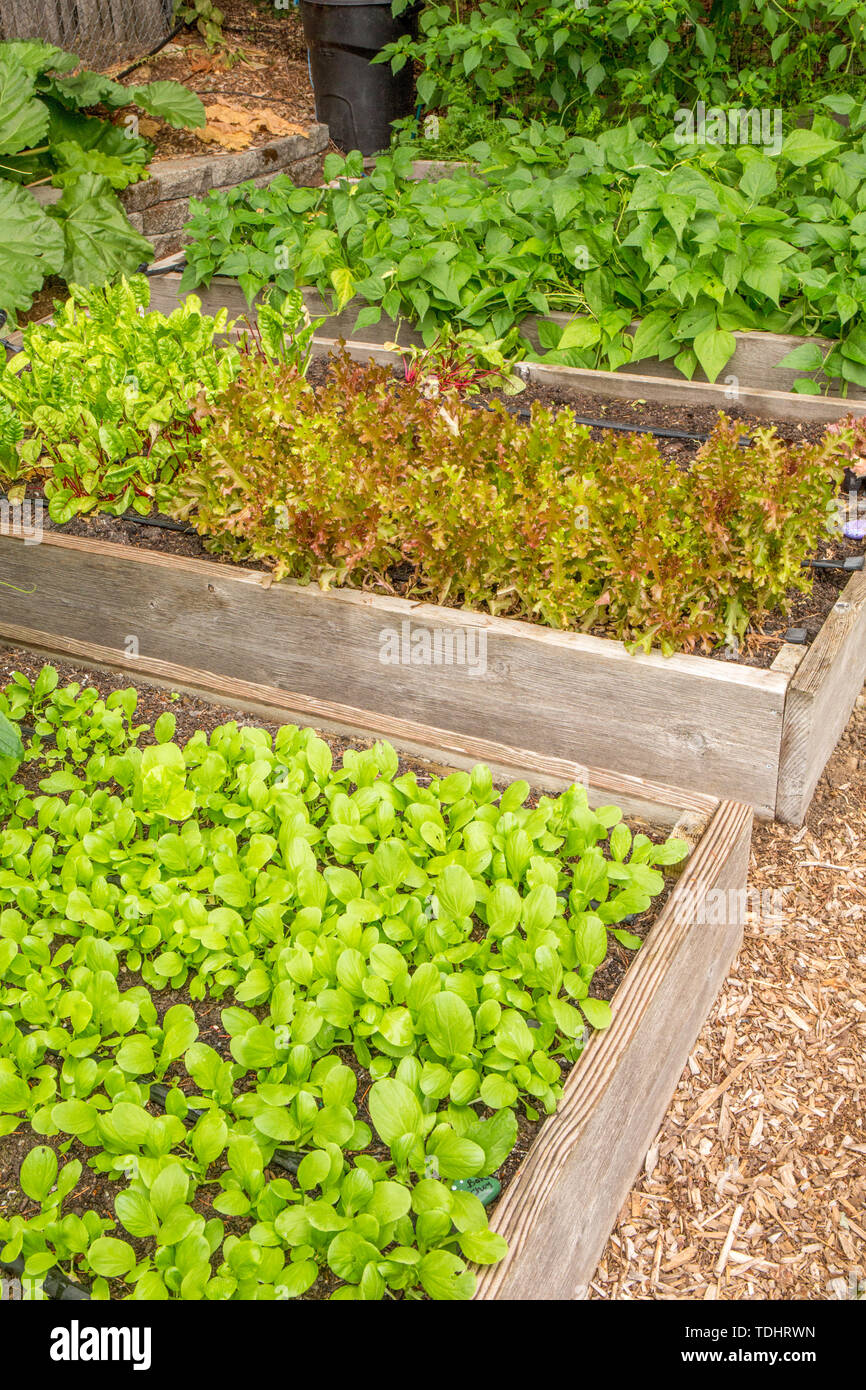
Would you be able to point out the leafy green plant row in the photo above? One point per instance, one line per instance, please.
(632, 56)
(45, 136)
(696, 242)
(532, 520)
(444, 936)
(340, 484)
(111, 401)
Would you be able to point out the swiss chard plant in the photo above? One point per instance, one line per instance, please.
(47, 136)
(437, 943)
(105, 397)
(110, 402)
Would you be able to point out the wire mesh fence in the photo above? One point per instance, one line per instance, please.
(102, 33)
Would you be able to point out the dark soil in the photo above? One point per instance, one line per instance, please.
(96, 1191)
(699, 420)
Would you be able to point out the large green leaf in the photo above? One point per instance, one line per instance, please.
(448, 1024)
(91, 133)
(394, 1110)
(804, 146)
(713, 348)
(73, 161)
(10, 739)
(35, 57)
(85, 89)
(31, 247)
(171, 102)
(23, 118)
(100, 243)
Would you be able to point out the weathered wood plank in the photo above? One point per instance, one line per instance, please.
(560, 1207)
(758, 387)
(820, 698)
(754, 364)
(636, 796)
(685, 721)
(788, 658)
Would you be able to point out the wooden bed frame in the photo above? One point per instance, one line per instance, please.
(561, 1205)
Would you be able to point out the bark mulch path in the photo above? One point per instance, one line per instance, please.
(755, 1186)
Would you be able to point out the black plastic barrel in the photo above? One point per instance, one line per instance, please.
(355, 98)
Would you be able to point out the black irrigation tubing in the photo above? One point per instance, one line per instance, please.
(656, 431)
(161, 523)
(152, 51)
(59, 1288)
(849, 564)
(288, 1159)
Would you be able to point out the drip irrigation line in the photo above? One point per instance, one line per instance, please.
(288, 1159)
(654, 430)
(151, 52)
(849, 564)
(159, 522)
(59, 1288)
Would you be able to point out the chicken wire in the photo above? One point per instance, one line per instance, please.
(103, 33)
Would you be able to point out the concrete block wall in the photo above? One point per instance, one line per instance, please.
(158, 207)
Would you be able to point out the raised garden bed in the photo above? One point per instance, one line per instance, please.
(760, 388)
(760, 736)
(560, 1204)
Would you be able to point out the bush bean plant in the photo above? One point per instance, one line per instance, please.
(438, 942)
(532, 520)
(632, 56)
(696, 242)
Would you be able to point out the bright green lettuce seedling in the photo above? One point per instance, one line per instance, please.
(438, 941)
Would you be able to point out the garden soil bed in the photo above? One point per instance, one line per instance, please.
(570, 1171)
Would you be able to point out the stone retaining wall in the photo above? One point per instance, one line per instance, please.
(158, 207)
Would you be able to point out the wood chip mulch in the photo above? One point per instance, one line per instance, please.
(755, 1186)
(260, 68)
